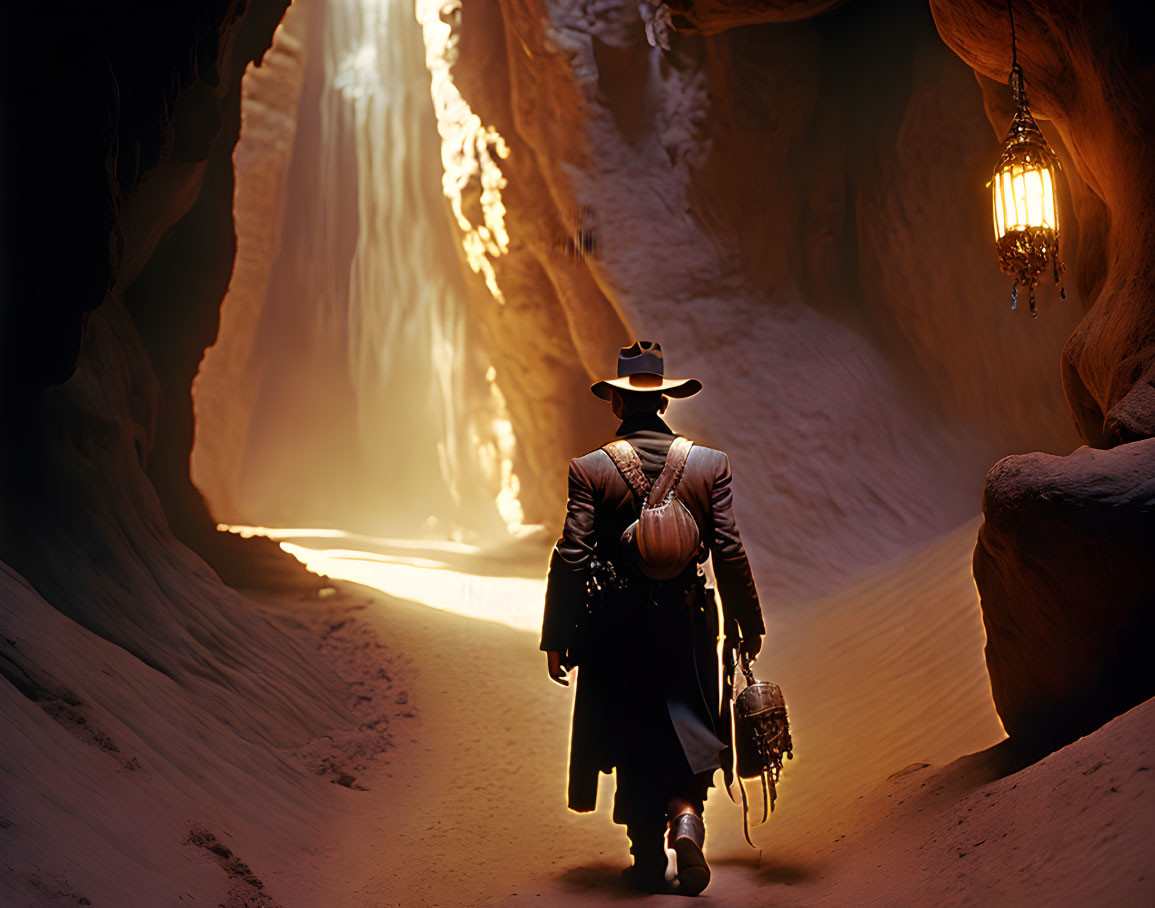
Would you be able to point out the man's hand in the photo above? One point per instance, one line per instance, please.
(752, 646)
(556, 671)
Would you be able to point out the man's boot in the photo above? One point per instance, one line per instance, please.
(648, 872)
(687, 836)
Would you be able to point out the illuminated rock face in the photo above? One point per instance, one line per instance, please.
(224, 392)
(816, 251)
(376, 386)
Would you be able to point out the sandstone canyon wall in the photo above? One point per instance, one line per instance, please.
(1063, 562)
(141, 694)
(792, 203)
(371, 391)
(270, 96)
(795, 209)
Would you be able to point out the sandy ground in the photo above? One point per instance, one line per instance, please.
(888, 691)
(444, 782)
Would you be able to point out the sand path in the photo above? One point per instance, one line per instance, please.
(470, 805)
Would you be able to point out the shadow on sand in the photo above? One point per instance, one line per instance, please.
(600, 882)
(1004, 759)
(771, 871)
(604, 882)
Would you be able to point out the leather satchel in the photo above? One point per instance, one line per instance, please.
(665, 537)
(761, 739)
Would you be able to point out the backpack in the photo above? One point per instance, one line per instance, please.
(665, 538)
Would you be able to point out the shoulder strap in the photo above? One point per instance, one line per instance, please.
(667, 482)
(626, 459)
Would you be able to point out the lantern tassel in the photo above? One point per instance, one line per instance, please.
(1059, 268)
(1015, 296)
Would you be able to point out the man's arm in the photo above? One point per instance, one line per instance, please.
(731, 567)
(565, 591)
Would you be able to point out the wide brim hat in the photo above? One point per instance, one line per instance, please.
(641, 368)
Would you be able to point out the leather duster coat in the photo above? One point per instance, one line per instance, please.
(646, 650)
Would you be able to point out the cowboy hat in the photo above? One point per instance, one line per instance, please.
(640, 368)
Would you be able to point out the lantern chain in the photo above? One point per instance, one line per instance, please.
(1018, 90)
(1011, 16)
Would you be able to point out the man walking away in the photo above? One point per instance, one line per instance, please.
(626, 603)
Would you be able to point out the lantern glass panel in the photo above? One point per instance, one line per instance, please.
(1000, 217)
(1050, 209)
(1024, 197)
(1033, 190)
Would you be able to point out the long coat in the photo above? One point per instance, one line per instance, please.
(648, 650)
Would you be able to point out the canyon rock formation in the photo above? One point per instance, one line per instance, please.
(863, 370)
(1064, 568)
(1098, 114)
(866, 304)
(1063, 562)
(375, 289)
(148, 227)
(270, 95)
(811, 245)
(134, 680)
(794, 207)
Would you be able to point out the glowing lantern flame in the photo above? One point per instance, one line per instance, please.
(1026, 209)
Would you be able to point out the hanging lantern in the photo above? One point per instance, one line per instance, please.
(1026, 205)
